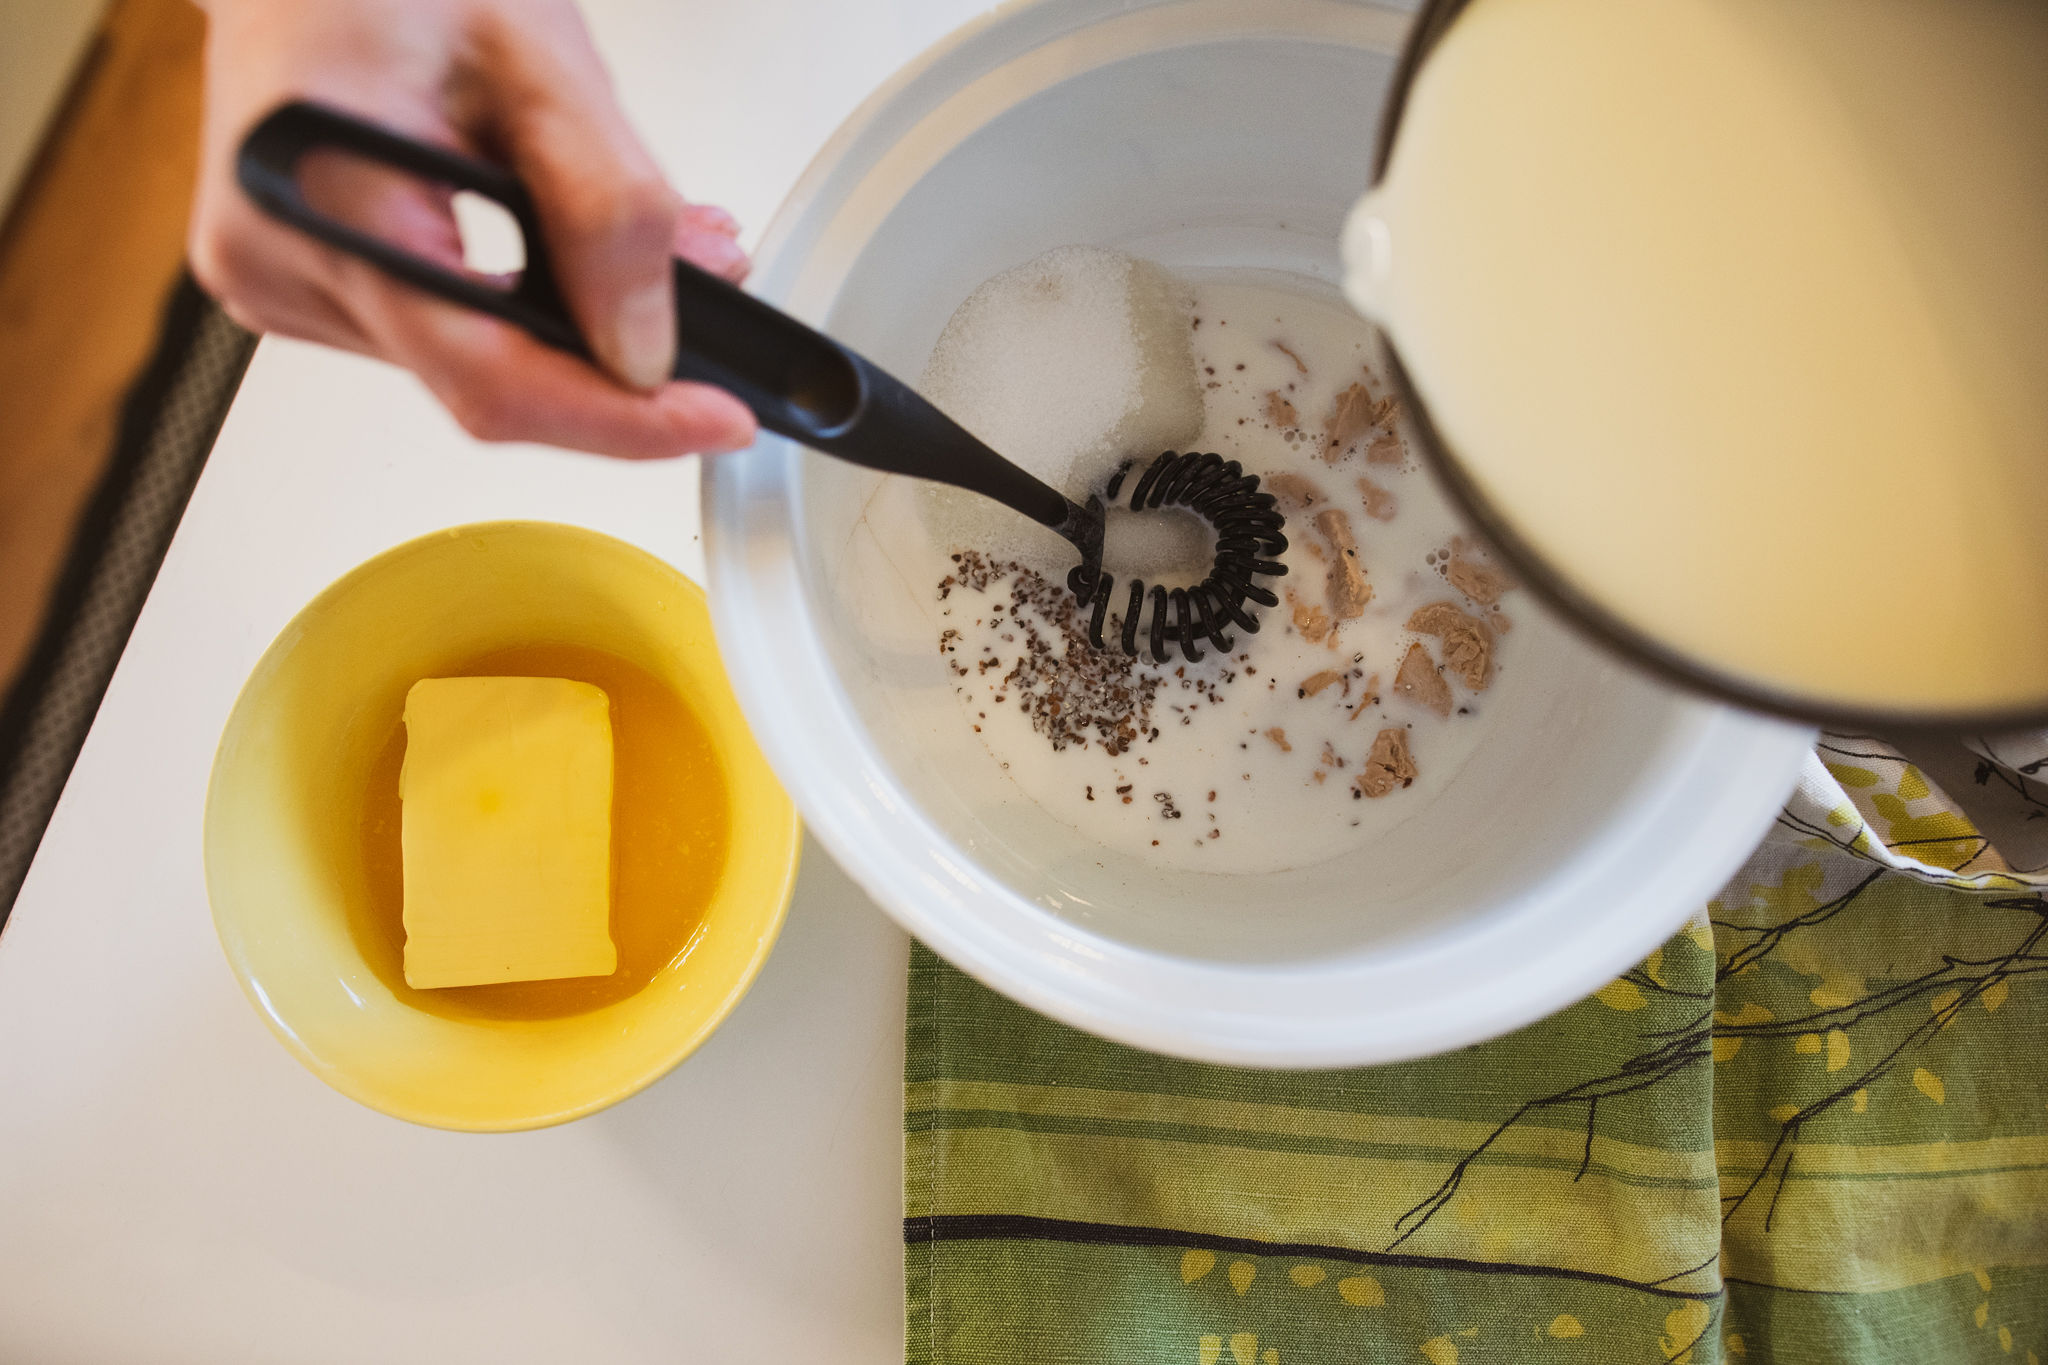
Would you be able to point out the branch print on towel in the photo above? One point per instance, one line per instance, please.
(1813, 1127)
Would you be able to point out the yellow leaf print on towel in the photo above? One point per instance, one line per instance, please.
(1361, 1291)
(1820, 925)
(1621, 995)
(1750, 1013)
(1683, 1328)
(1929, 1084)
(1942, 838)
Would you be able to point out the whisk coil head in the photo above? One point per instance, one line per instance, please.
(1249, 542)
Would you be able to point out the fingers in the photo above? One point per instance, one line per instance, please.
(266, 279)
(364, 54)
(516, 82)
(391, 205)
(272, 279)
(502, 385)
(609, 216)
(705, 238)
(710, 218)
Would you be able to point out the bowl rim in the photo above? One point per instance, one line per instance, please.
(348, 1081)
(754, 508)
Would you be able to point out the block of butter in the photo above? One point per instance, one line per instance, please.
(506, 796)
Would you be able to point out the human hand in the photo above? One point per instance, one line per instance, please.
(514, 81)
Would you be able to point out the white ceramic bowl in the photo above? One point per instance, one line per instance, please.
(1203, 133)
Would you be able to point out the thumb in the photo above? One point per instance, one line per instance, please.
(608, 214)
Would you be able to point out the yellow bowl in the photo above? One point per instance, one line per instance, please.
(285, 867)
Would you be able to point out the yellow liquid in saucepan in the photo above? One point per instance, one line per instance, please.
(1737, 312)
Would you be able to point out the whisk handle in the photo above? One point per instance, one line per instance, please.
(798, 382)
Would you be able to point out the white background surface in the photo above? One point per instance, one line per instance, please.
(173, 1186)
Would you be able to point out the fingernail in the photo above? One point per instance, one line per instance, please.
(738, 436)
(711, 251)
(717, 423)
(728, 254)
(644, 336)
(713, 219)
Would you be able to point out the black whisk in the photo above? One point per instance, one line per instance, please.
(1247, 524)
(799, 383)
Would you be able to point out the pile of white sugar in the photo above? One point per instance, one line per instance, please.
(1066, 365)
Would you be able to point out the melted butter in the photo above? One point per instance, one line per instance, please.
(669, 840)
(1737, 312)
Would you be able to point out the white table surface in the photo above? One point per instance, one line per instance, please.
(173, 1185)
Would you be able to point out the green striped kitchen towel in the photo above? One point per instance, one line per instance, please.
(1812, 1128)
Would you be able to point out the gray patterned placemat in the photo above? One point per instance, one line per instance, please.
(167, 430)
